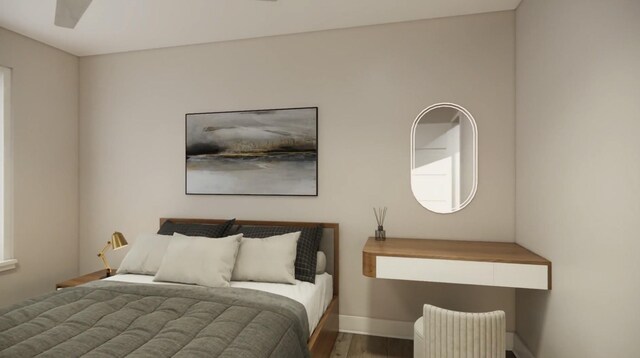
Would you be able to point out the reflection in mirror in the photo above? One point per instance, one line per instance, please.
(444, 158)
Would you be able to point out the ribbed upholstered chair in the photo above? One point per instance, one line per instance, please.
(442, 333)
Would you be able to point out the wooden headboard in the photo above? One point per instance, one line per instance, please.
(330, 243)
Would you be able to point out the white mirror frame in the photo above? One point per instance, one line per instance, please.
(474, 126)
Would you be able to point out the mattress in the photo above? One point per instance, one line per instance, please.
(314, 297)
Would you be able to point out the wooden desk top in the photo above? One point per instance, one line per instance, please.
(505, 252)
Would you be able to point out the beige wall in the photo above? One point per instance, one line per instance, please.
(578, 174)
(369, 84)
(45, 143)
(466, 158)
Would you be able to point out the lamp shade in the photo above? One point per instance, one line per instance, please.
(118, 240)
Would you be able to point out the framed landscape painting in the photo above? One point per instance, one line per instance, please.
(257, 152)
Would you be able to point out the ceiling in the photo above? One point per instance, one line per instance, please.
(110, 26)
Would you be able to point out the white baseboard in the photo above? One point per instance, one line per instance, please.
(394, 329)
(508, 340)
(376, 327)
(520, 349)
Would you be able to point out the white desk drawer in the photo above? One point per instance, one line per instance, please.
(415, 269)
(521, 276)
(463, 272)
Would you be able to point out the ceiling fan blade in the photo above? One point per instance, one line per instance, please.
(69, 12)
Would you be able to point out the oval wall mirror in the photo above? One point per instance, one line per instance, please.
(444, 158)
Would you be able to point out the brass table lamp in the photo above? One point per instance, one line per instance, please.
(117, 241)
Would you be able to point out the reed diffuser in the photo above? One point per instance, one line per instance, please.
(381, 214)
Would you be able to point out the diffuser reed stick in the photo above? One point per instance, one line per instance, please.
(381, 214)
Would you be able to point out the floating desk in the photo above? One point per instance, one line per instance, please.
(502, 264)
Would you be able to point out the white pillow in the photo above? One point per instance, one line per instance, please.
(271, 259)
(198, 260)
(321, 263)
(145, 255)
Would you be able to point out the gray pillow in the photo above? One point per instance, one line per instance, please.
(321, 265)
(199, 260)
(267, 260)
(208, 230)
(308, 245)
(145, 255)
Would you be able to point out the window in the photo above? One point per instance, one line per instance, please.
(7, 260)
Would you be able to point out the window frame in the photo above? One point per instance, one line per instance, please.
(7, 258)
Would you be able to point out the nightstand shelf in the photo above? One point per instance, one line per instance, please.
(94, 276)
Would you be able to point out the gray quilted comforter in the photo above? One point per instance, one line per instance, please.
(111, 319)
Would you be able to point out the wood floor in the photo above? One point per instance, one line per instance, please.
(358, 346)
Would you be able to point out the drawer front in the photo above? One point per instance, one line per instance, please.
(432, 270)
(463, 272)
(521, 276)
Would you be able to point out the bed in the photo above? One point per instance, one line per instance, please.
(125, 315)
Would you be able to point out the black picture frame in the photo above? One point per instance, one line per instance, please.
(302, 156)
